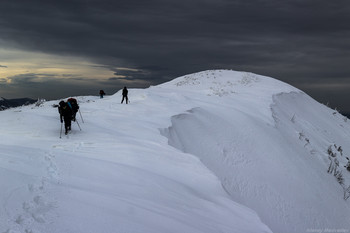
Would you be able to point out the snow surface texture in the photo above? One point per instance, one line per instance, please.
(267, 142)
(216, 151)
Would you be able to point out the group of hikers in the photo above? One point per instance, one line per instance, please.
(68, 110)
(124, 93)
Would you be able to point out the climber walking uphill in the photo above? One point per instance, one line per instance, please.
(65, 115)
(125, 95)
(73, 104)
(102, 93)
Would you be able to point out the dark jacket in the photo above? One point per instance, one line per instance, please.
(125, 92)
(65, 111)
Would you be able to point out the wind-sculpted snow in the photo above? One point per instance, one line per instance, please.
(278, 168)
(249, 151)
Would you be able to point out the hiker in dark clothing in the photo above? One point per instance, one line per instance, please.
(102, 93)
(66, 115)
(125, 95)
(73, 104)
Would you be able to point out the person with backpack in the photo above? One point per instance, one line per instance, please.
(65, 115)
(125, 95)
(73, 104)
(102, 93)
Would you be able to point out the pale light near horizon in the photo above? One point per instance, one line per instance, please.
(15, 62)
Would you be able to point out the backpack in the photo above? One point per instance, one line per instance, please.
(73, 104)
(72, 101)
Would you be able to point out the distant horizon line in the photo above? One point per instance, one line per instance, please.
(347, 114)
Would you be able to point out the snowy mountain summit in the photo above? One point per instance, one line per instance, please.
(215, 151)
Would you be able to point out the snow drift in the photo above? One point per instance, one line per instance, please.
(215, 151)
(267, 142)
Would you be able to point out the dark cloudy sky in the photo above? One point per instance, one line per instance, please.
(58, 48)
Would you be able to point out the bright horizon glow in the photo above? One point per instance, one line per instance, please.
(41, 75)
(15, 62)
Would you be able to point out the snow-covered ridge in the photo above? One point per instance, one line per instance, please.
(226, 82)
(279, 167)
(247, 92)
(250, 155)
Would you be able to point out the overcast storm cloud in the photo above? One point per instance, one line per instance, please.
(302, 42)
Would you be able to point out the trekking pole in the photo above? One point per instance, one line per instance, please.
(61, 130)
(81, 116)
(76, 120)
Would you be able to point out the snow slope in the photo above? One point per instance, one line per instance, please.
(216, 151)
(267, 142)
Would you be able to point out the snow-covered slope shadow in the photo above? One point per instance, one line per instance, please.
(275, 165)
